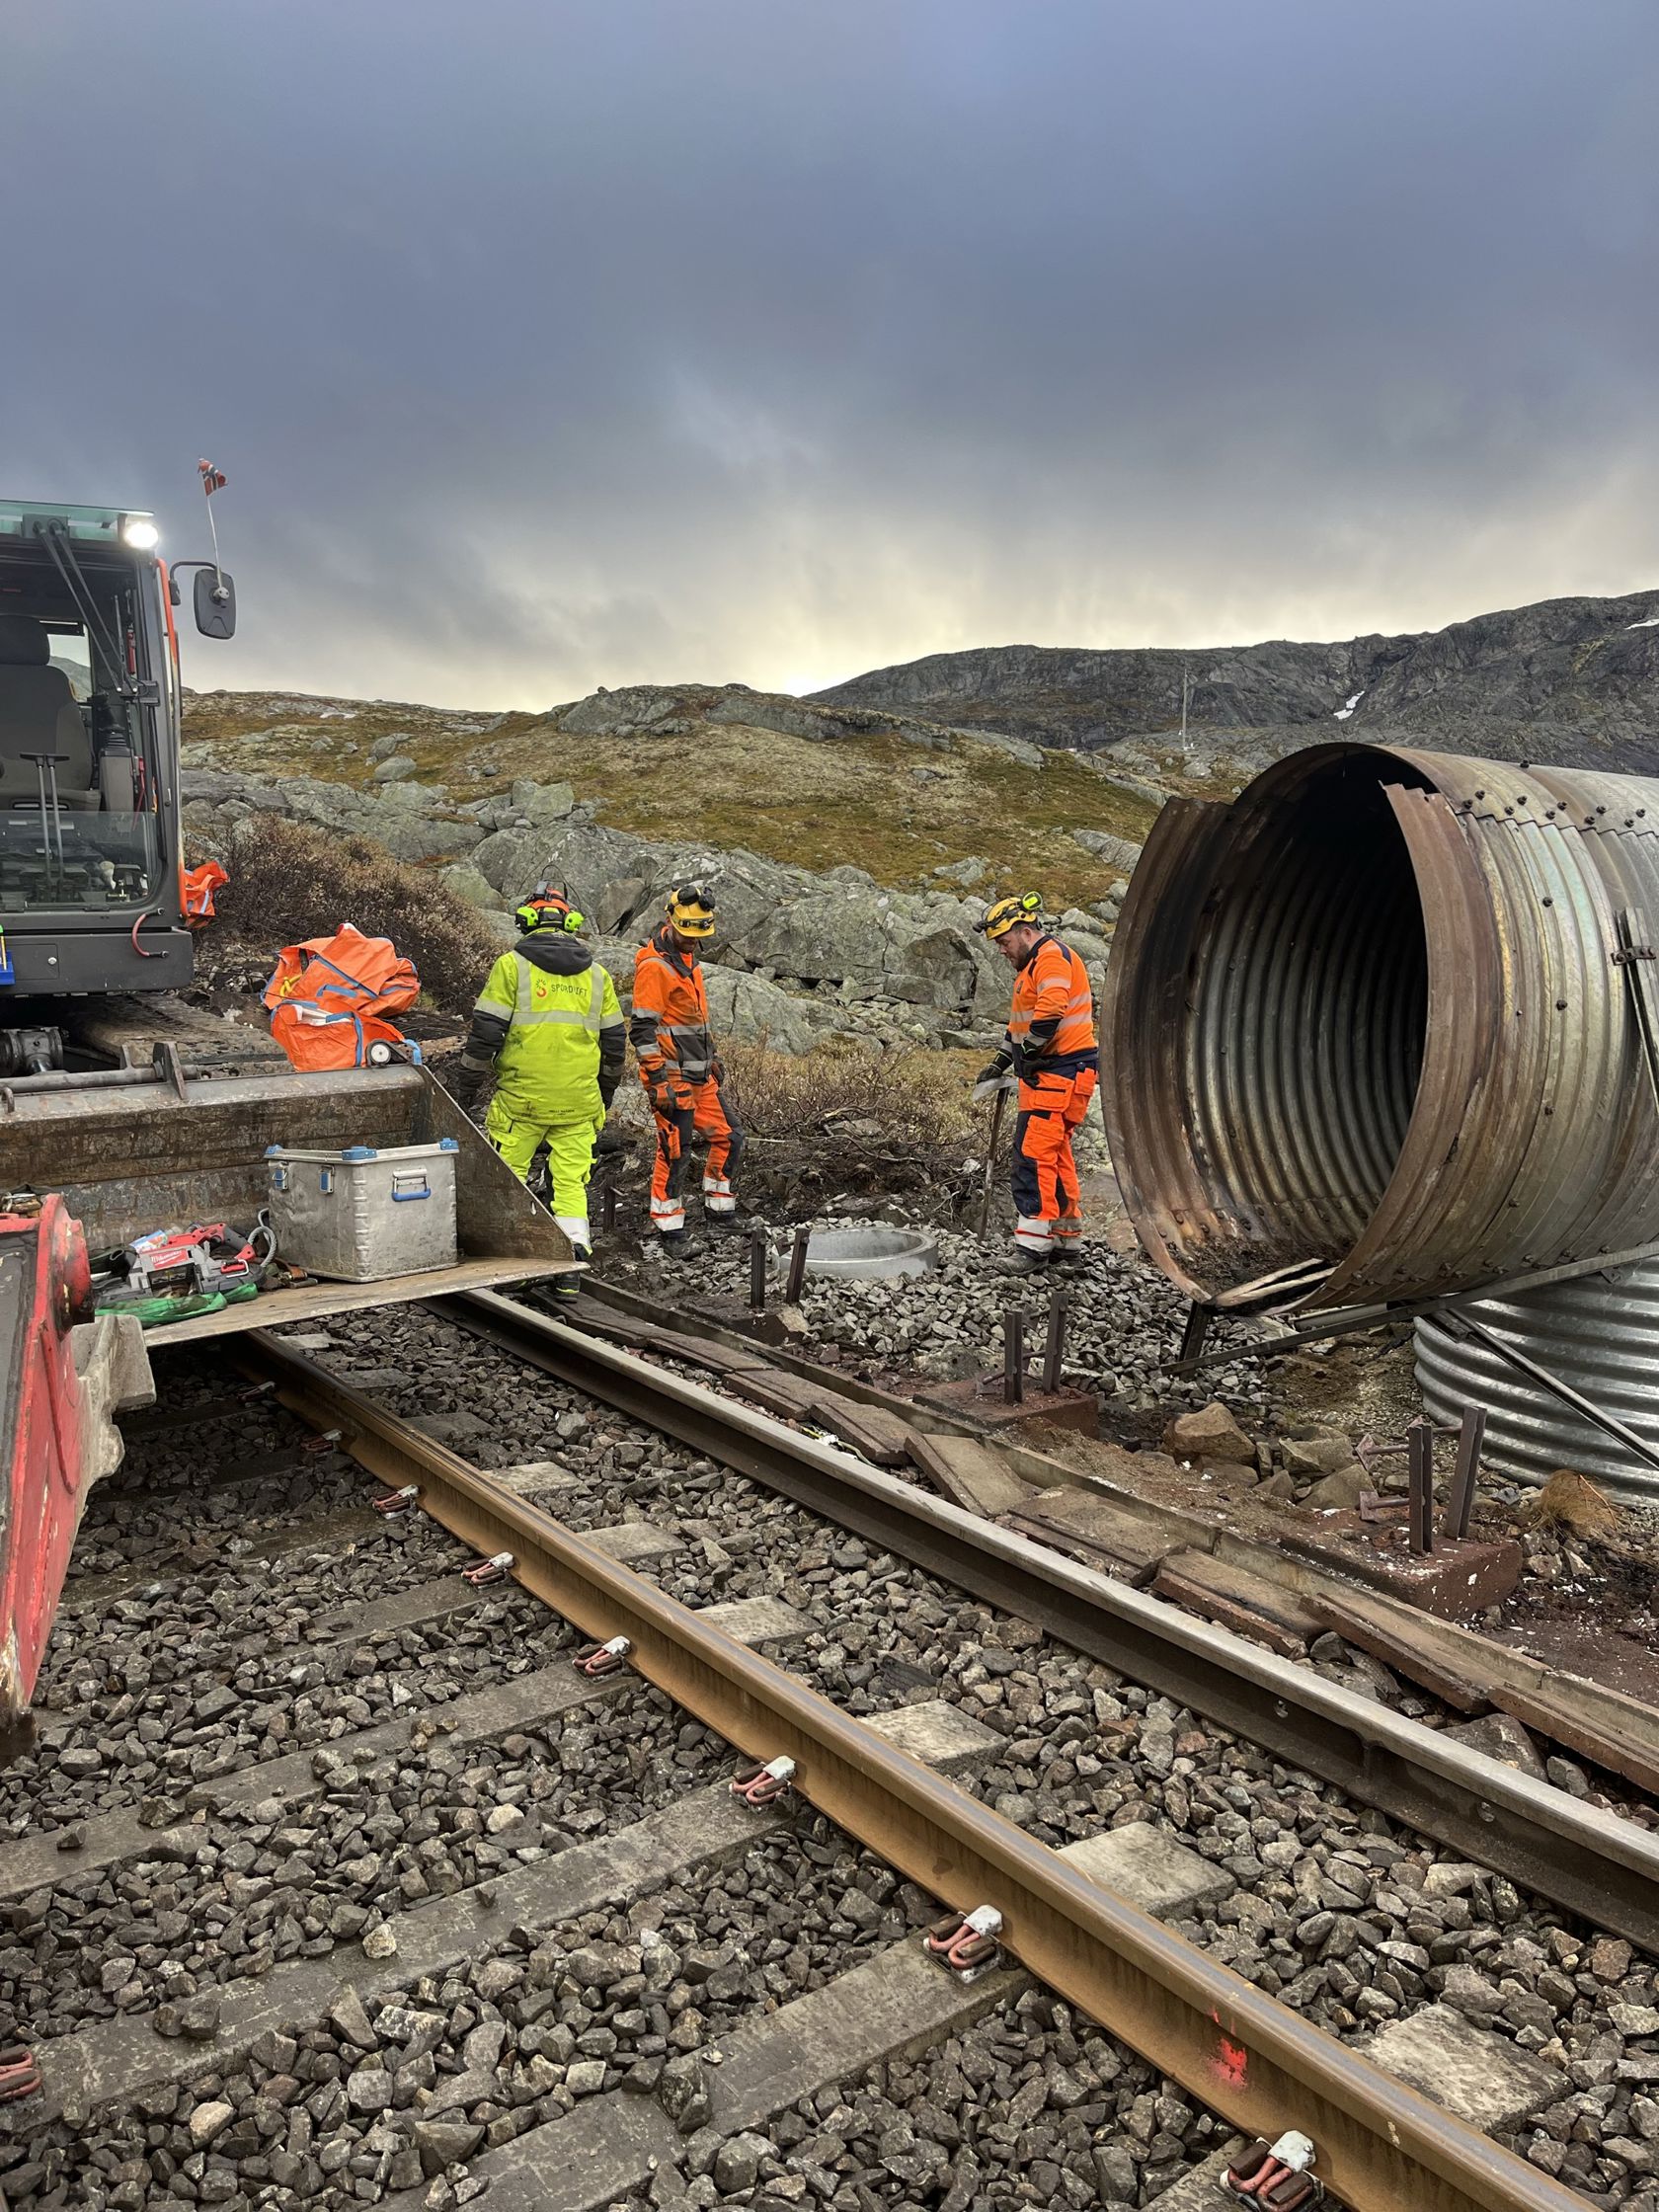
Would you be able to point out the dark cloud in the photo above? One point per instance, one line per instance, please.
(549, 346)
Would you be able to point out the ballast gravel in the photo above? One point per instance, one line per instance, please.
(1350, 1919)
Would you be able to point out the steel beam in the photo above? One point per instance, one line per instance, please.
(1592, 1862)
(1382, 2148)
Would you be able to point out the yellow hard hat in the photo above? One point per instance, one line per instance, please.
(1006, 913)
(690, 910)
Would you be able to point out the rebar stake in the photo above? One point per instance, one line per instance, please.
(608, 1207)
(794, 1280)
(1471, 1434)
(1419, 1440)
(757, 1270)
(1014, 1357)
(1192, 1337)
(1053, 1352)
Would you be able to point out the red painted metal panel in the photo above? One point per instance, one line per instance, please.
(43, 1290)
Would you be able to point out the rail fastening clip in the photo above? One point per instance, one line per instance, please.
(19, 2073)
(398, 1501)
(762, 1786)
(488, 1570)
(596, 1659)
(966, 1942)
(1278, 2175)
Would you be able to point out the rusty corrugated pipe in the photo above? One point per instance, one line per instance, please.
(1367, 1020)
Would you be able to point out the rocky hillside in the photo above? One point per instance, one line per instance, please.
(1576, 681)
(851, 853)
(908, 801)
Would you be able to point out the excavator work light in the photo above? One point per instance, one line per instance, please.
(141, 534)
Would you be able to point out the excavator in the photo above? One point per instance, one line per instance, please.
(121, 1114)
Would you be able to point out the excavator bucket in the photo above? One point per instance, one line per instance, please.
(61, 1381)
(134, 1150)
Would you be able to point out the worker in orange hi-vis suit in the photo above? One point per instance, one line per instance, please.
(680, 1069)
(1051, 1051)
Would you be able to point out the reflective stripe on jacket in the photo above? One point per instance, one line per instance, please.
(670, 1029)
(1052, 1012)
(558, 1025)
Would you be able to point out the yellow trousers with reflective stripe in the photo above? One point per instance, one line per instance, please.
(569, 1159)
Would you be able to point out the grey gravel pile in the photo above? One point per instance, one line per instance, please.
(1030, 2107)
(147, 1710)
(1125, 1322)
(383, 2095)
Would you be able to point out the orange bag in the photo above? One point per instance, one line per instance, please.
(196, 887)
(328, 996)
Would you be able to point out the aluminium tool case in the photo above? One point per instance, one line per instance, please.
(364, 1214)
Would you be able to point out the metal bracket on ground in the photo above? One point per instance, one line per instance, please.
(966, 1943)
(763, 1785)
(1278, 2176)
(596, 1659)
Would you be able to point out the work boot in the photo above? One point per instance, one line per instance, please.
(1029, 1263)
(675, 1244)
(568, 1288)
(725, 1224)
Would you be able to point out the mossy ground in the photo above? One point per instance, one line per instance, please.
(897, 809)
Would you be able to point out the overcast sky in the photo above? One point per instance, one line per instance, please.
(548, 345)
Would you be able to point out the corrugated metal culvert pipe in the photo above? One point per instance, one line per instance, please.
(1371, 1040)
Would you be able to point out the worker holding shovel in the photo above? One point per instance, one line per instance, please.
(1051, 1055)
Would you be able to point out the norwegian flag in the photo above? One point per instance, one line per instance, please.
(213, 479)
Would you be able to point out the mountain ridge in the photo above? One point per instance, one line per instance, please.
(1579, 673)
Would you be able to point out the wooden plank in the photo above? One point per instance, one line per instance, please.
(586, 1313)
(970, 1474)
(705, 1352)
(1394, 1637)
(880, 1436)
(1242, 1602)
(1558, 1713)
(786, 1395)
(273, 1310)
(1080, 1516)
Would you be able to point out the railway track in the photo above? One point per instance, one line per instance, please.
(546, 1843)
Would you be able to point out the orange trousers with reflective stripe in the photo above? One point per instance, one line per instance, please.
(1045, 1175)
(699, 1108)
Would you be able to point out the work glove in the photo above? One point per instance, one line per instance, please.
(662, 1101)
(990, 1081)
(463, 1087)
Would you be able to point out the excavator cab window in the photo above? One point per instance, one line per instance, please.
(79, 662)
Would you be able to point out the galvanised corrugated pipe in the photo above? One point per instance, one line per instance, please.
(1366, 1027)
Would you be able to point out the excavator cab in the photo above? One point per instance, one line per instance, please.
(88, 721)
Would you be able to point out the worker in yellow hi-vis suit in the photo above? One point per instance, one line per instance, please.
(549, 1022)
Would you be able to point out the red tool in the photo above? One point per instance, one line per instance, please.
(207, 1256)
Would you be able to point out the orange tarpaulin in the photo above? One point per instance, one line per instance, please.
(329, 996)
(196, 887)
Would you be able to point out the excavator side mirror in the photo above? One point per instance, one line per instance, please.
(215, 603)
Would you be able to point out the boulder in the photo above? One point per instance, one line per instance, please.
(1210, 1434)
(1318, 1452)
(752, 1012)
(1339, 1490)
(540, 803)
(394, 769)
(467, 883)
(1118, 853)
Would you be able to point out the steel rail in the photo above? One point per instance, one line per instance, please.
(1382, 2148)
(1592, 1862)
